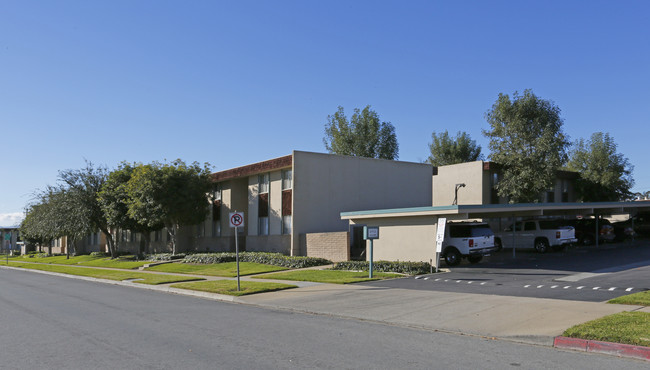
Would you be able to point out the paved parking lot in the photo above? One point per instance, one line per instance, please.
(578, 273)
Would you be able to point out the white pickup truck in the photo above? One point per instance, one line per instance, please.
(537, 234)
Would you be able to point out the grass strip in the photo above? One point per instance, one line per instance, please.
(124, 262)
(226, 269)
(329, 276)
(150, 279)
(625, 327)
(229, 287)
(637, 299)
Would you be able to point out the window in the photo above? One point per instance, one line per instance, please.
(529, 226)
(263, 181)
(216, 228)
(263, 226)
(287, 179)
(217, 192)
(286, 224)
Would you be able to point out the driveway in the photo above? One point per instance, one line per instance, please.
(582, 274)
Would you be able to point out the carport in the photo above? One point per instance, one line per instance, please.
(408, 234)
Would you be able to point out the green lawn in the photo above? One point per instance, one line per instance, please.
(226, 269)
(638, 299)
(125, 262)
(151, 279)
(229, 287)
(625, 327)
(329, 276)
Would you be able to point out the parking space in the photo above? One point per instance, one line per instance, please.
(576, 273)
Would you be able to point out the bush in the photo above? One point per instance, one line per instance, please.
(274, 259)
(164, 257)
(409, 268)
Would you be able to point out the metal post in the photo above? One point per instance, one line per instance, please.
(370, 275)
(597, 231)
(237, 256)
(514, 228)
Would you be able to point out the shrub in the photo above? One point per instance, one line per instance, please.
(274, 259)
(409, 268)
(164, 257)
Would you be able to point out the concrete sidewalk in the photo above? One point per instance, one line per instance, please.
(529, 320)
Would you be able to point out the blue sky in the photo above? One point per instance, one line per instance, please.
(236, 82)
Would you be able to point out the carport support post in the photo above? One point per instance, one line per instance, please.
(370, 269)
(597, 231)
(514, 229)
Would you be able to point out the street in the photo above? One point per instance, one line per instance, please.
(54, 322)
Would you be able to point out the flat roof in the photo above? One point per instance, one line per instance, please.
(506, 210)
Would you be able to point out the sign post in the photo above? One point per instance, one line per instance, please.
(237, 220)
(370, 233)
(440, 237)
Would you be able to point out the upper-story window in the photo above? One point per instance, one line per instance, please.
(263, 180)
(217, 192)
(287, 179)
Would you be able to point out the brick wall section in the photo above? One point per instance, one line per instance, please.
(255, 168)
(334, 246)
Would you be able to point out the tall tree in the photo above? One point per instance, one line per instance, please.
(85, 184)
(114, 201)
(173, 194)
(527, 140)
(445, 150)
(605, 174)
(364, 135)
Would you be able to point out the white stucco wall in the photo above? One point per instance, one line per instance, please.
(325, 185)
(471, 174)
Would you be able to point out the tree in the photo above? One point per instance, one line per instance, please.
(446, 150)
(362, 136)
(85, 185)
(605, 175)
(172, 194)
(114, 200)
(526, 139)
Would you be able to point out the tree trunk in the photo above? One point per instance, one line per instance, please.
(171, 229)
(110, 242)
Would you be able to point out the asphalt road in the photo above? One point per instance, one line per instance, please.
(582, 274)
(50, 322)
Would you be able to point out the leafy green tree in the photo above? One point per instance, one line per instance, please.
(172, 194)
(527, 140)
(85, 184)
(114, 200)
(364, 135)
(605, 174)
(446, 150)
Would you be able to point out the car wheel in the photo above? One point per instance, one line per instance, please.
(541, 245)
(452, 257)
(497, 243)
(474, 259)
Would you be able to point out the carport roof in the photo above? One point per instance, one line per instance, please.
(506, 210)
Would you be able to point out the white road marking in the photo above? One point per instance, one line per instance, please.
(596, 288)
(458, 281)
(483, 283)
(539, 286)
(580, 287)
(526, 286)
(611, 289)
(418, 277)
(469, 282)
(629, 289)
(554, 286)
(426, 278)
(438, 279)
(567, 287)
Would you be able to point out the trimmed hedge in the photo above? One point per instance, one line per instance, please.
(409, 268)
(164, 257)
(274, 259)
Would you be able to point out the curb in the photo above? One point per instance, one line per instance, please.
(617, 349)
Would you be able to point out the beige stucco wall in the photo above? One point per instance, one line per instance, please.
(403, 239)
(325, 185)
(476, 188)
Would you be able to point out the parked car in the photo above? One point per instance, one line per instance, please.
(471, 240)
(637, 225)
(537, 234)
(585, 230)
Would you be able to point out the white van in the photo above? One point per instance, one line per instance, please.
(471, 240)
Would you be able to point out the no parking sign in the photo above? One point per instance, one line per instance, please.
(236, 219)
